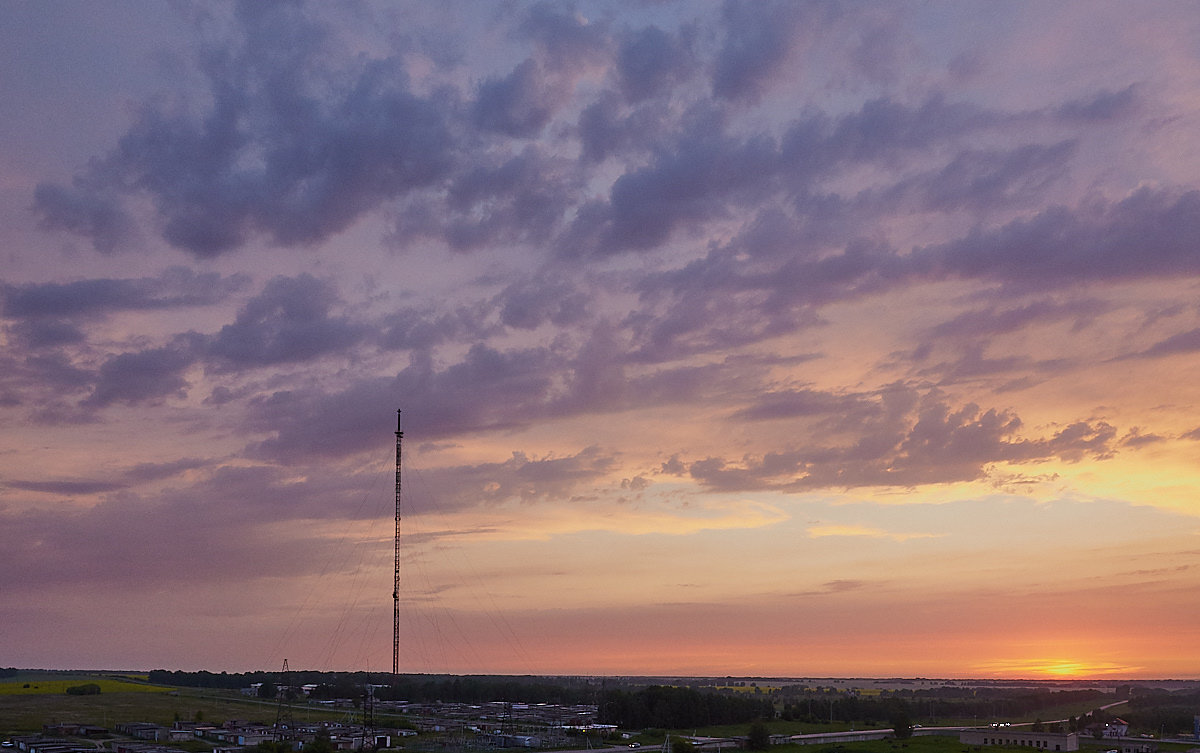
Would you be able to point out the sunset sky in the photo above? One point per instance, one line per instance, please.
(764, 338)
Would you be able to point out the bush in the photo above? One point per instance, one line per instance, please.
(759, 737)
(680, 745)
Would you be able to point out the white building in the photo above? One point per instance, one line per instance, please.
(1044, 741)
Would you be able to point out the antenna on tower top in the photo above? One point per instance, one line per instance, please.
(396, 577)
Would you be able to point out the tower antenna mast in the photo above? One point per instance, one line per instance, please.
(396, 576)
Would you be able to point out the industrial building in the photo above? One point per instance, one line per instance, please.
(1046, 741)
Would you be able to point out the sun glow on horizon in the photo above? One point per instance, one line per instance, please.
(1066, 669)
(1055, 667)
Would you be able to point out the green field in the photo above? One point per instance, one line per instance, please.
(45, 701)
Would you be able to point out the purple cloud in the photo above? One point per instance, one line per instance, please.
(412, 329)
(564, 36)
(47, 333)
(138, 474)
(519, 104)
(270, 154)
(64, 488)
(288, 321)
(486, 391)
(994, 320)
(521, 478)
(797, 403)
(83, 299)
(702, 177)
(651, 61)
(1148, 234)
(1105, 105)
(521, 200)
(527, 304)
(86, 210)
(904, 442)
(758, 40)
(1181, 342)
(210, 531)
(146, 376)
(991, 179)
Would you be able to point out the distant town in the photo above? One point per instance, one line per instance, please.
(321, 712)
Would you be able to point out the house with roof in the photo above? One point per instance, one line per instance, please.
(1115, 728)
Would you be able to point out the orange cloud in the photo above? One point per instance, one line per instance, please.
(821, 530)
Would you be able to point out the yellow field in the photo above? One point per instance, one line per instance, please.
(747, 688)
(58, 686)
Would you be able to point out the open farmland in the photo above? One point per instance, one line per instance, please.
(27, 703)
(58, 685)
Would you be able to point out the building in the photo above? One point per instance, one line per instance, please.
(1136, 746)
(73, 729)
(715, 743)
(1044, 741)
(1116, 728)
(240, 733)
(140, 747)
(40, 744)
(143, 730)
(839, 738)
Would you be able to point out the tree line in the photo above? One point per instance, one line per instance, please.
(205, 679)
(817, 705)
(415, 688)
(484, 688)
(668, 707)
(1162, 711)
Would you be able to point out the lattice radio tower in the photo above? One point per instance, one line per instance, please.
(283, 709)
(396, 575)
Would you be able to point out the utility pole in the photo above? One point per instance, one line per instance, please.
(396, 575)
